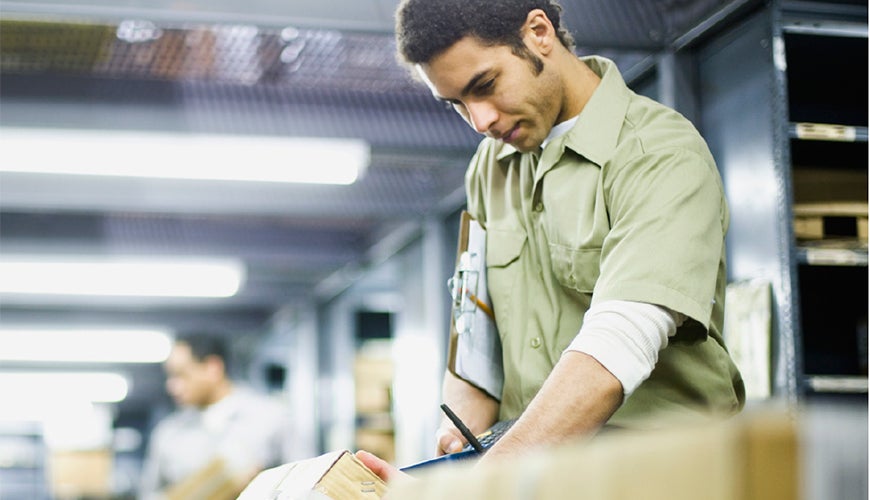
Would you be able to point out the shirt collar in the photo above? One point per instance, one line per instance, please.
(596, 132)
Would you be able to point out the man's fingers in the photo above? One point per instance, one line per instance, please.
(382, 468)
(449, 441)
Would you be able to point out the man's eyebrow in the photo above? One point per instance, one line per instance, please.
(473, 82)
(467, 89)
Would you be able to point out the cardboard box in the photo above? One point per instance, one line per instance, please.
(80, 473)
(336, 475)
(373, 381)
(746, 458)
(215, 481)
(380, 442)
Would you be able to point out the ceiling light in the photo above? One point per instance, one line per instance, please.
(84, 345)
(95, 387)
(182, 155)
(143, 277)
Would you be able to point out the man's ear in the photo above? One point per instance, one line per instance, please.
(538, 31)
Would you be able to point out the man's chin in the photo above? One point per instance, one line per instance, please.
(527, 148)
(525, 144)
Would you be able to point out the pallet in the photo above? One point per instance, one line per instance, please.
(816, 221)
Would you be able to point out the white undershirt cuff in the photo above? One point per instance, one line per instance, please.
(626, 337)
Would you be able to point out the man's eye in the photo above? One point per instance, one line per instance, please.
(455, 106)
(486, 87)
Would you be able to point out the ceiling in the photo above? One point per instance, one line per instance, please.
(265, 67)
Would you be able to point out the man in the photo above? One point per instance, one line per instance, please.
(217, 422)
(605, 221)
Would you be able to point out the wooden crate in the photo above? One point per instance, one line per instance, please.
(813, 221)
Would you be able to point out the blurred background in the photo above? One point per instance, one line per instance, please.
(279, 145)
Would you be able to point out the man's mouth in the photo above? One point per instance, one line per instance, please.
(511, 135)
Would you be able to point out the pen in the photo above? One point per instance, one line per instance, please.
(482, 305)
(462, 428)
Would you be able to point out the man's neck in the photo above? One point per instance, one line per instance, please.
(579, 82)
(221, 391)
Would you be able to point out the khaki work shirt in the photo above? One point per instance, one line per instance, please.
(627, 205)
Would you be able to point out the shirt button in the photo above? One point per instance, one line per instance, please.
(536, 342)
(539, 207)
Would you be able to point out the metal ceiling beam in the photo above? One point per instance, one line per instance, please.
(375, 16)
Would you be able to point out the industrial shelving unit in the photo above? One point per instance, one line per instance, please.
(22, 461)
(783, 105)
(783, 99)
(826, 87)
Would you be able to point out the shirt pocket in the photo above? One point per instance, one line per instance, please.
(576, 268)
(503, 247)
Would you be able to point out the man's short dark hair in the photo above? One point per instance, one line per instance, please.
(204, 344)
(426, 28)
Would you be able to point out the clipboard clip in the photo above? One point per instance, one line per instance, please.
(463, 291)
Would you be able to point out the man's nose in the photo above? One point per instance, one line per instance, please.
(482, 116)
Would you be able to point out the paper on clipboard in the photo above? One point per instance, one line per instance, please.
(474, 353)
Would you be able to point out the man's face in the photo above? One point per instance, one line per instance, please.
(497, 92)
(190, 382)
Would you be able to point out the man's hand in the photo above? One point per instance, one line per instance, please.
(450, 440)
(476, 409)
(386, 471)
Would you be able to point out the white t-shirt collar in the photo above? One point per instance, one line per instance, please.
(559, 129)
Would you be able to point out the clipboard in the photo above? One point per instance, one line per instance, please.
(474, 350)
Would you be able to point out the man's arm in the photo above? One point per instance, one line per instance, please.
(615, 351)
(477, 410)
(577, 398)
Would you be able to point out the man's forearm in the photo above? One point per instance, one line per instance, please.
(474, 407)
(578, 397)
(477, 410)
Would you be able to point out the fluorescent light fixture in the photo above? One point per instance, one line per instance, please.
(84, 345)
(95, 387)
(121, 276)
(183, 155)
